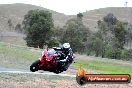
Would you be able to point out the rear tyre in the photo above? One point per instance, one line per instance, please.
(57, 71)
(35, 66)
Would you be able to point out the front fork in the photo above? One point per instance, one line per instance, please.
(42, 62)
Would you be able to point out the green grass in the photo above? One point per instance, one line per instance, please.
(105, 66)
(17, 52)
(14, 40)
(16, 57)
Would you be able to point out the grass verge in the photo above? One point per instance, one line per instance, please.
(104, 66)
(22, 77)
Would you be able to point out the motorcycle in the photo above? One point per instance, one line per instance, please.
(48, 62)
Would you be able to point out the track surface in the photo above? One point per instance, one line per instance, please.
(11, 70)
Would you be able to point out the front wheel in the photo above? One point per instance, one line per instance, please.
(35, 66)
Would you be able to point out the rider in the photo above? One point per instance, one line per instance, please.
(67, 55)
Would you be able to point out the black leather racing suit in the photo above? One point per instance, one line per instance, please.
(66, 56)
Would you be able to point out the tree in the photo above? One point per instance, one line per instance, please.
(120, 32)
(18, 28)
(110, 18)
(113, 33)
(37, 25)
(104, 34)
(97, 46)
(58, 32)
(79, 16)
(76, 34)
(10, 24)
(53, 42)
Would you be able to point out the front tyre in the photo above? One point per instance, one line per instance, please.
(35, 66)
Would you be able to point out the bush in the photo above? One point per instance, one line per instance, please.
(53, 43)
(113, 53)
(118, 52)
(109, 52)
(126, 54)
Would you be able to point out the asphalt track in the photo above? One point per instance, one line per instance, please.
(12, 70)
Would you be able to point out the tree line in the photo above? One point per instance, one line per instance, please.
(109, 41)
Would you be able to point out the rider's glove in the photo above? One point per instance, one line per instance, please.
(64, 60)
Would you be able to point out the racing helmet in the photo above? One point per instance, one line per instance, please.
(66, 47)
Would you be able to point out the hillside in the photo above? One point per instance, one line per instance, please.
(91, 17)
(16, 12)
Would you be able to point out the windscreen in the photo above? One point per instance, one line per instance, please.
(50, 52)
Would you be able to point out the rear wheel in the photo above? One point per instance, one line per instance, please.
(57, 71)
(59, 68)
(35, 66)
